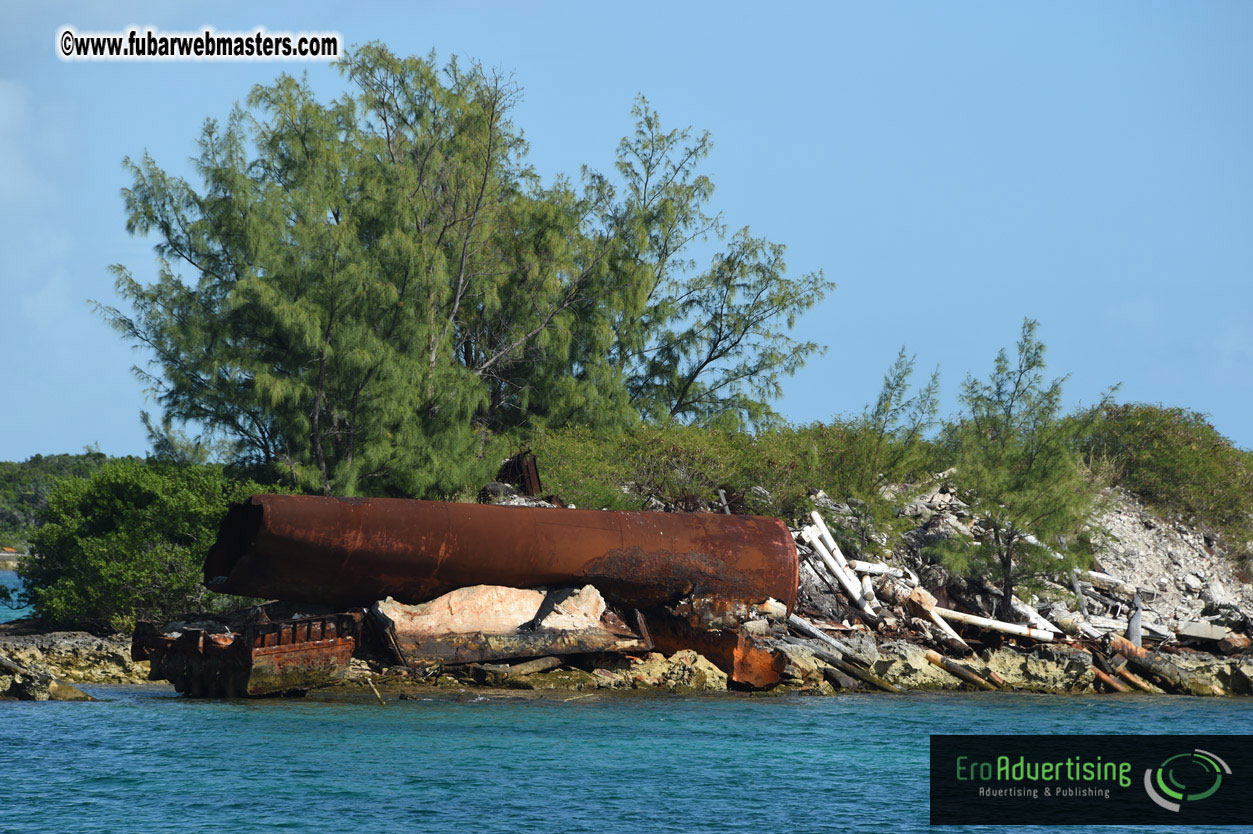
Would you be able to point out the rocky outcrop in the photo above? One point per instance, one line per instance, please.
(37, 685)
(905, 665)
(1231, 676)
(1056, 668)
(575, 680)
(76, 656)
(1185, 572)
(683, 671)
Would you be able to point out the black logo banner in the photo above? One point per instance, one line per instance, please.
(1091, 780)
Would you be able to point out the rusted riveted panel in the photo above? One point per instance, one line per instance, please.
(356, 551)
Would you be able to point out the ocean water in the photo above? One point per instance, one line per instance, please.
(145, 760)
(9, 580)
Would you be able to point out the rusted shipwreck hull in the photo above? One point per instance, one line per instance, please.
(689, 579)
(353, 552)
(262, 657)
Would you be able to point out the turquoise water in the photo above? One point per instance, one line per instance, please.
(9, 580)
(144, 760)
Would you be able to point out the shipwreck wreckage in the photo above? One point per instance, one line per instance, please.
(430, 582)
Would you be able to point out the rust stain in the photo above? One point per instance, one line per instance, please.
(731, 650)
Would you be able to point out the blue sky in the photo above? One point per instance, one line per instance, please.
(954, 167)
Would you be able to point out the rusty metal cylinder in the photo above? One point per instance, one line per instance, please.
(353, 551)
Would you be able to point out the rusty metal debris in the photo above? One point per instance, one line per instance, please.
(207, 658)
(731, 650)
(522, 471)
(684, 581)
(353, 552)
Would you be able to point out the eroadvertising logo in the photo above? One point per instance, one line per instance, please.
(1091, 780)
(1192, 776)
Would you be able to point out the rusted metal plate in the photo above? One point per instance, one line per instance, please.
(731, 650)
(299, 666)
(522, 471)
(260, 658)
(352, 552)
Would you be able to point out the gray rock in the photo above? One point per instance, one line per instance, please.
(1048, 668)
(1202, 630)
(29, 686)
(496, 492)
(1242, 677)
(906, 665)
(525, 501)
(917, 509)
(1216, 593)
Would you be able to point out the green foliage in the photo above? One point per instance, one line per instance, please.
(1177, 462)
(684, 466)
(24, 489)
(1017, 466)
(171, 444)
(678, 465)
(127, 543)
(893, 430)
(379, 285)
(703, 345)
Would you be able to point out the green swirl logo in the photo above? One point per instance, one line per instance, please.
(1187, 777)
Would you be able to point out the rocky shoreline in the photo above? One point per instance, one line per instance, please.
(80, 658)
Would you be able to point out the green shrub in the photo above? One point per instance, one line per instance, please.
(585, 467)
(127, 543)
(1177, 462)
(686, 465)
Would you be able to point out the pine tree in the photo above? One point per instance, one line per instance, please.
(704, 345)
(1018, 467)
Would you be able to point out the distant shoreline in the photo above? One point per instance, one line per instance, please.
(8, 564)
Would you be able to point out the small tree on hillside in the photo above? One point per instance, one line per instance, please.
(892, 433)
(1017, 462)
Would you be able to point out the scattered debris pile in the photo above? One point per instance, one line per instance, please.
(1095, 631)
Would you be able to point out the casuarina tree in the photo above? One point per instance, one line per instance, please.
(363, 293)
(1018, 466)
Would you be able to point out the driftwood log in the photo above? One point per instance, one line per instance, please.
(11, 667)
(1109, 583)
(958, 671)
(995, 625)
(810, 630)
(1160, 669)
(1104, 678)
(834, 660)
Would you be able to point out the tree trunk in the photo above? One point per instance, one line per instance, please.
(1007, 585)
